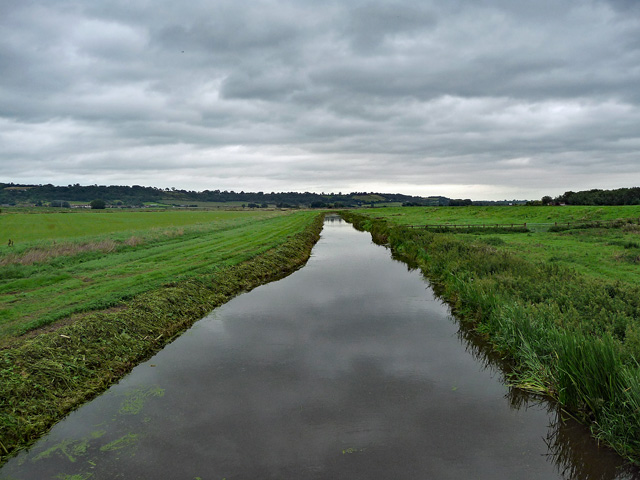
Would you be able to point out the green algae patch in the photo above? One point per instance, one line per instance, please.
(77, 476)
(71, 449)
(134, 401)
(45, 377)
(129, 440)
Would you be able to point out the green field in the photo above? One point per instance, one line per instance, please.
(28, 229)
(607, 253)
(64, 264)
(503, 214)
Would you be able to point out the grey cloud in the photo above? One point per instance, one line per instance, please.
(273, 93)
(370, 24)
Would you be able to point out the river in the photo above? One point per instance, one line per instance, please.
(350, 368)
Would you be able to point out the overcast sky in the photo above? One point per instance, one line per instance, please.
(465, 98)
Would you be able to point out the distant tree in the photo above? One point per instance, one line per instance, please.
(546, 200)
(459, 202)
(98, 204)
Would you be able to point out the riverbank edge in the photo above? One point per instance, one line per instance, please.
(587, 369)
(42, 379)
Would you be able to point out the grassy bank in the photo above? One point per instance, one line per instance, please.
(44, 377)
(573, 336)
(46, 278)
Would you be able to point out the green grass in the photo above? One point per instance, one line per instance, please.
(173, 281)
(38, 294)
(503, 214)
(605, 253)
(554, 303)
(33, 228)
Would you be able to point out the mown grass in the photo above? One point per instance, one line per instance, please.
(168, 284)
(570, 335)
(131, 262)
(30, 228)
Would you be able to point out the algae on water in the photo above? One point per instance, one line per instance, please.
(128, 440)
(135, 400)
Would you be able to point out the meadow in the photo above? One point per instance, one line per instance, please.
(562, 304)
(64, 264)
(604, 253)
(85, 301)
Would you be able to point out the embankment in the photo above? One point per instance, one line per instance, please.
(45, 377)
(573, 338)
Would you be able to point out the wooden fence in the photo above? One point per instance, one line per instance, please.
(467, 225)
(596, 223)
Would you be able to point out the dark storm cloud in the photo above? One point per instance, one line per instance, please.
(496, 98)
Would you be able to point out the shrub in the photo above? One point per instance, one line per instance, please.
(97, 204)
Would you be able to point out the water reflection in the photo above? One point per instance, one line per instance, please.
(573, 452)
(349, 368)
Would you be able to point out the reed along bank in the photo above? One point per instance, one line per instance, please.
(569, 336)
(44, 377)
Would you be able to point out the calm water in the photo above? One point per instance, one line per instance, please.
(349, 368)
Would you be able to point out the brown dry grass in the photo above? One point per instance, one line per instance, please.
(39, 254)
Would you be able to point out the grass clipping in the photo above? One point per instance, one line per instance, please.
(44, 378)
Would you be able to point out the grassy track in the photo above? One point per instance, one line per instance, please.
(170, 283)
(552, 302)
(39, 294)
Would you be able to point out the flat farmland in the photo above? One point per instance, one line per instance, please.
(63, 264)
(609, 252)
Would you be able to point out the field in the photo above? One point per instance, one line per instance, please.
(561, 302)
(84, 297)
(605, 253)
(56, 269)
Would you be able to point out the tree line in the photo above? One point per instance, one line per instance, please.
(618, 196)
(136, 195)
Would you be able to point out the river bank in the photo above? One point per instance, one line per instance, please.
(45, 377)
(571, 337)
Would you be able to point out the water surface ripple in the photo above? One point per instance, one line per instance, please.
(349, 368)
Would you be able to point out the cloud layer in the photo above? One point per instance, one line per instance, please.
(490, 99)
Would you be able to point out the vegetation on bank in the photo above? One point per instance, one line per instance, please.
(572, 336)
(43, 281)
(43, 377)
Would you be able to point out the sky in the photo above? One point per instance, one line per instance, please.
(478, 99)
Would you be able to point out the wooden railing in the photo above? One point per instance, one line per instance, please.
(468, 225)
(584, 223)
